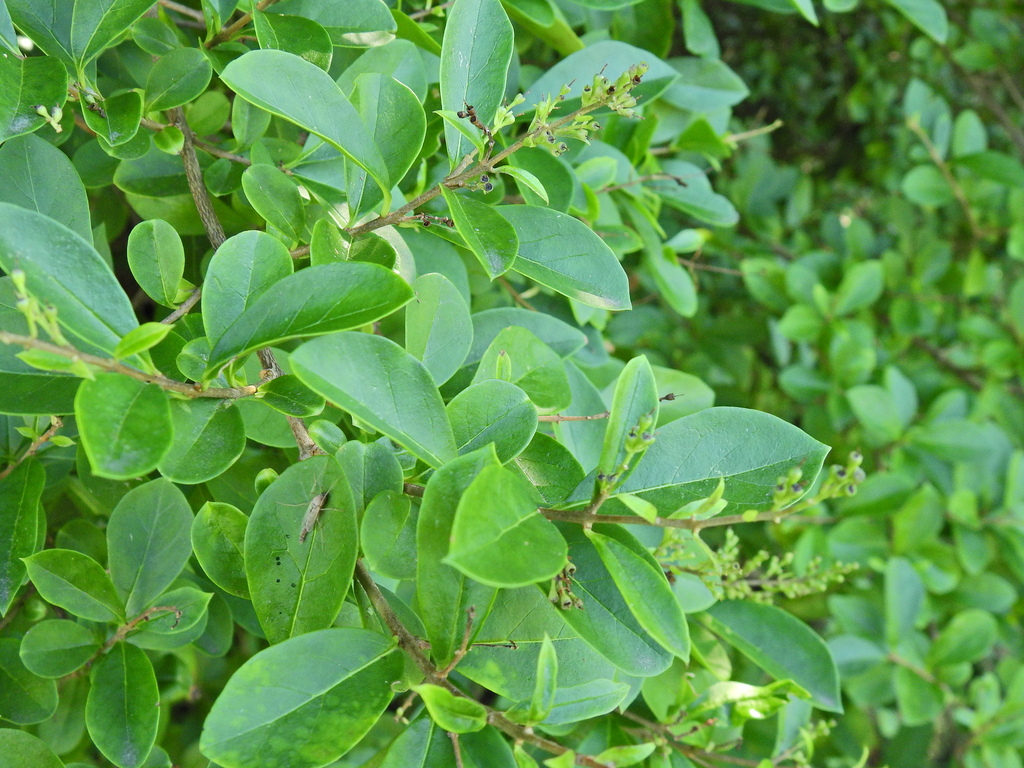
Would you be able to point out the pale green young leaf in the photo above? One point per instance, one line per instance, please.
(454, 714)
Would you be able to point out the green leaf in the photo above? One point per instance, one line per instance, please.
(438, 328)
(995, 166)
(122, 711)
(475, 56)
(534, 367)
(24, 698)
(355, 24)
(177, 78)
(312, 302)
(493, 411)
(606, 622)
(635, 399)
(57, 647)
(287, 86)
(443, 593)
(489, 236)
(276, 198)
(241, 271)
(927, 15)
(526, 179)
(330, 688)
(295, 34)
(567, 256)
(64, 270)
(157, 260)
(576, 703)
(141, 339)
(861, 287)
(925, 185)
(124, 425)
(749, 449)
(545, 686)
(75, 582)
(26, 84)
(697, 198)
(394, 116)
(218, 540)
(968, 637)
(41, 178)
(378, 382)
(904, 598)
(388, 535)
(148, 541)
(20, 518)
(920, 701)
(298, 586)
(291, 397)
(498, 536)
(548, 464)
(370, 468)
(178, 618)
(455, 714)
(208, 438)
(781, 645)
(806, 9)
(120, 119)
(557, 334)
(674, 282)
(625, 754)
(644, 588)
(23, 750)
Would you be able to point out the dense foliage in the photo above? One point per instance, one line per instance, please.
(453, 384)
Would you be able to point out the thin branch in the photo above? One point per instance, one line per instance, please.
(210, 149)
(109, 364)
(184, 307)
(55, 424)
(428, 11)
(947, 174)
(184, 10)
(586, 517)
(516, 296)
(196, 185)
(558, 417)
(702, 267)
(457, 749)
(229, 31)
(736, 138)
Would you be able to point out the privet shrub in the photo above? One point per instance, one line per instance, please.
(361, 366)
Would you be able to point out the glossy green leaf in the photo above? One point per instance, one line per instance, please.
(291, 397)
(298, 586)
(20, 493)
(23, 750)
(218, 540)
(557, 334)
(355, 24)
(312, 302)
(545, 683)
(270, 80)
(57, 647)
(148, 541)
(75, 582)
(444, 594)
(567, 256)
(927, 15)
(475, 56)
(141, 339)
(806, 9)
(157, 260)
(920, 701)
(177, 78)
(781, 645)
(388, 535)
(493, 411)
(533, 366)
(606, 622)
(26, 84)
(577, 703)
(489, 236)
(241, 271)
(276, 198)
(208, 438)
(525, 179)
(329, 688)
(498, 536)
(644, 588)
(455, 714)
(178, 618)
(24, 698)
(295, 34)
(438, 328)
(697, 198)
(122, 711)
(381, 384)
(118, 122)
(124, 425)
(64, 270)
(551, 468)
(674, 282)
(41, 178)
(370, 468)
(634, 402)
(968, 637)
(749, 449)
(395, 118)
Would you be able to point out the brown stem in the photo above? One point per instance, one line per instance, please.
(194, 174)
(701, 266)
(55, 424)
(588, 518)
(184, 307)
(516, 296)
(428, 11)
(108, 364)
(184, 10)
(229, 31)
